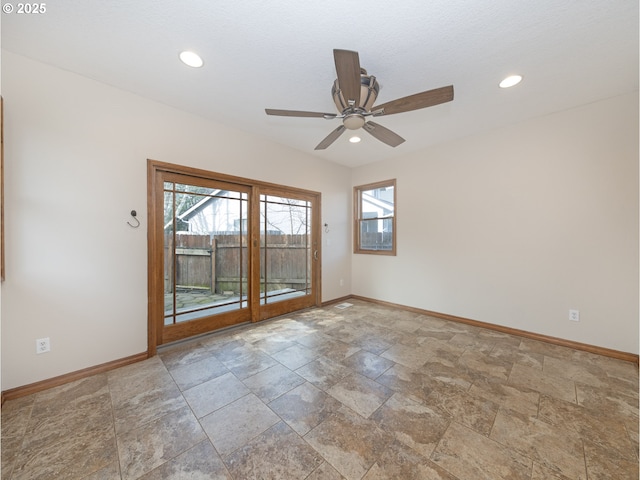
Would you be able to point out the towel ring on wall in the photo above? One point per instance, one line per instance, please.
(133, 214)
(326, 228)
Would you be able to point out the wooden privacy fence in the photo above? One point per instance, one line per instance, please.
(220, 262)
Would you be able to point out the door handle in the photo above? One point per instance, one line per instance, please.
(315, 254)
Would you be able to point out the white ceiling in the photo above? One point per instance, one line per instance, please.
(279, 54)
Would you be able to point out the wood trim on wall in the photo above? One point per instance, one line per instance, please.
(105, 367)
(36, 387)
(606, 352)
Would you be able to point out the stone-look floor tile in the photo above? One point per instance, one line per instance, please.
(192, 374)
(337, 350)
(15, 416)
(232, 349)
(244, 366)
(72, 431)
(14, 421)
(511, 397)
(370, 338)
(441, 331)
(410, 357)
(484, 365)
(348, 442)
(145, 448)
(472, 342)
(199, 462)
(547, 349)
(586, 373)
(540, 472)
(399, 462)
(269, 384)
(110, 472)
(48, 425)
(325, 472)
(539, 381)
(142, 392)
(295, 356)
(555, 448)
(361, 394)
(316, 341)
(409, 324)
(184, 354)
(10, 448)
(607, 464)
(277, 453)
(68, 457)
(412, 423)
(601, 430)
(214, 394)
(274, 343)
(470, 455)
(613, 403)
(633, 431)
(407, 381)
(137, 378)
(304, 407)
(367, 364)
(449, 372)
(439, 349)
(620, 372)
(499, 338)
(472, 411)
(232, 426)
(133, 411)
(513, 354)
(69, 432)
(323, 372)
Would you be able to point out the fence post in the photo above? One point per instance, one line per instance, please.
(213, 264)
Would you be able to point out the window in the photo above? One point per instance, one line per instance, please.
(375, 218)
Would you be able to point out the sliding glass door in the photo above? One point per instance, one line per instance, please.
(225, 252)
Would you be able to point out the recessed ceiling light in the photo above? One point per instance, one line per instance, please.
(192, 59)
(510, 81)
(354, 139)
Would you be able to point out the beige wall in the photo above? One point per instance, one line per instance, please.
(514, 227)
(517, 226)
(75, 156)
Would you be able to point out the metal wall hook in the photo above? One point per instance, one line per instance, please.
(326, 228)
(133, 214)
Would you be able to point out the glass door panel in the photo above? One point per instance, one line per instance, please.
(285, 248)
(288, 252)
(205, 254)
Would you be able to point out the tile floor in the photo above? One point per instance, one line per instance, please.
(367, 393)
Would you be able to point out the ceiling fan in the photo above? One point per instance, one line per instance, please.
(354, 93)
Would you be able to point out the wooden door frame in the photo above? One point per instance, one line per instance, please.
(155, 217)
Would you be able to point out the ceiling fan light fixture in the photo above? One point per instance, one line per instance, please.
(355, 139)
(511, 81)
(191, 59)
(353, 121)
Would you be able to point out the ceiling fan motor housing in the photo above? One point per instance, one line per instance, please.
(369, 89)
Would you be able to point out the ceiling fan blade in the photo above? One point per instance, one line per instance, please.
(348, 70)
(383, 134)
(298, 113)
(332, 137)
(417, 101)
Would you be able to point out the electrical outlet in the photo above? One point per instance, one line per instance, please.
(574, 315)
(43, 345)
